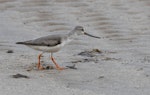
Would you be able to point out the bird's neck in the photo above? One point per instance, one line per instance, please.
(72, 34)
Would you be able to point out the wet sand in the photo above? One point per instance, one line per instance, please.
(122, 67)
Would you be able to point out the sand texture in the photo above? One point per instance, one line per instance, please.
(116, 64)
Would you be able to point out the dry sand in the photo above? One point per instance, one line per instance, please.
(123, 67)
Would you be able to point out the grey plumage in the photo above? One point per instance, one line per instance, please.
(51, 40)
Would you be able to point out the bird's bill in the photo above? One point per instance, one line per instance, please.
(91, 35)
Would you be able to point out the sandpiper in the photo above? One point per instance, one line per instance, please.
(53, 43)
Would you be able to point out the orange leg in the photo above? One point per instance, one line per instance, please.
(39, 66)
(57, 66)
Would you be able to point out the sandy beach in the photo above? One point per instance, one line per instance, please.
(116, 64)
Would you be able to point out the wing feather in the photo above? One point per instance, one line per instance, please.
(51, 40)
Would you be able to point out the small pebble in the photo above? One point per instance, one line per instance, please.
(100, 77)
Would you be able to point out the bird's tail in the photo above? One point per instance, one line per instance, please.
(19, 42)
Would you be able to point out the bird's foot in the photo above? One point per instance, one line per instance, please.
(40, 67)
(60, 68)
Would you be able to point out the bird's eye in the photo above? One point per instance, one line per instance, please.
(82, 29)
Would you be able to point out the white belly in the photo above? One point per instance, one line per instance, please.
(47, 48)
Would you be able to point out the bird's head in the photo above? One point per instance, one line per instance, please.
(80, 31)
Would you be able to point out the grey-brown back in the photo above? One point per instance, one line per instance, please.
(51, 40)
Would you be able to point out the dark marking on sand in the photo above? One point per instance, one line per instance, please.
(10, 51)
(109, 58)
(71, 67)
(91, 53)
(19, 76)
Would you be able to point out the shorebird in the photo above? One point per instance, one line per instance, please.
(53, 43)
